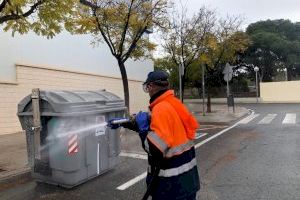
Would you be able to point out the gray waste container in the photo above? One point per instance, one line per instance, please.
(75, 144)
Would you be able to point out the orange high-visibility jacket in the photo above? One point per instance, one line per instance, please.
(172, 131)
(172, 126)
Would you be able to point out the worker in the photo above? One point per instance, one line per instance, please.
(167, 133)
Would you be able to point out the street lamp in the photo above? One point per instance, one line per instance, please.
(203, 91)
(285, 74)
(256, 69)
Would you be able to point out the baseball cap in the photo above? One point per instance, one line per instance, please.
(157, 76)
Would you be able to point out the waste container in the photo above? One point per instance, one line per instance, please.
(74, 143)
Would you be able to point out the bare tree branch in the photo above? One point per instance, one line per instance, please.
(189, 36)
(140, 33)
(89, 4)
(108, 42)
(16, 16)
(2, 5)
(133, 44)
(121, 47)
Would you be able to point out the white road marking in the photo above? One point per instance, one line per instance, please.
(215, 127)
(216, 135)
(248, 119)
(267, 119)
(134, 155)
(200, 135)
(143, 175)
(132, 181)
(290, 118)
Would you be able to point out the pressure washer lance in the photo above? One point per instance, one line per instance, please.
(121, 121)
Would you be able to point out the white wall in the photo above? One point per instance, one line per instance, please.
(66, 51)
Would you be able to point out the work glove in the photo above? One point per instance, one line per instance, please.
(143, 123)
(131, 126)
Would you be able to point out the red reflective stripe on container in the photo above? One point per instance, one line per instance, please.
(73, 144)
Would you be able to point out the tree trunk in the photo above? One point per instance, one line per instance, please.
(125, 83)
(182, 87)
(208, 102)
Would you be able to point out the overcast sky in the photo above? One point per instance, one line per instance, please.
(250, 10)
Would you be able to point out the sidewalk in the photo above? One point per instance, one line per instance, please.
(13, 156)
(220, 113)
(13, 153)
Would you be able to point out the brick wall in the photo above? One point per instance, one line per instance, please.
(46, 78)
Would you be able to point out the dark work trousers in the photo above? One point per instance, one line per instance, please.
(192, 197)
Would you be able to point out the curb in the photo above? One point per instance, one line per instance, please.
(15, 175)
(211, 118)
(244, 115)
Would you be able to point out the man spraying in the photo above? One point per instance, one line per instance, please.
(167, 133)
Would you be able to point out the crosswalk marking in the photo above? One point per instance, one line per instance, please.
(268, 119)
(290, 118)
(249, 119)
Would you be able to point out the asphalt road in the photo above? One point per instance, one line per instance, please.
(258, 158)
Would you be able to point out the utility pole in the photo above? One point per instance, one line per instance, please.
(181, 73)
(203, 91)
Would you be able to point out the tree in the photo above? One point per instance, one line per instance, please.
(202, 40)
(122, 25)
(192, 77)
(46, 16)
(166, 64)
(275, 45)
(224, 45)
(187, 38)
(265, 59)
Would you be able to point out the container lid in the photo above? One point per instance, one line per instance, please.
(73, 103)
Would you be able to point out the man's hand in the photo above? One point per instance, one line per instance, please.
(116, 123)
